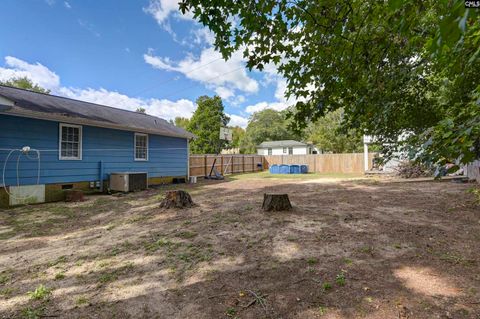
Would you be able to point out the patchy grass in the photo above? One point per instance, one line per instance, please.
(366, 250)
(5, 276)
(33, 312)
(58, 261)
(40, 293)
(186, 234)
(347, 261)
(82, 300)
(312, 261)
(60, 275)
(114, 256)
(7, 292)
(340, 279)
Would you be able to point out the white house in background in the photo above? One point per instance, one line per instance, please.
(288, 147)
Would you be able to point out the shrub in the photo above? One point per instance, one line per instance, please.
(412, 169)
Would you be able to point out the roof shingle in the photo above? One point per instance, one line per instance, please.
(35, 105)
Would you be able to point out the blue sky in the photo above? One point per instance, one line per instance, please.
(129, 54)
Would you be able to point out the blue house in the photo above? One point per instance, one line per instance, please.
(50, 143)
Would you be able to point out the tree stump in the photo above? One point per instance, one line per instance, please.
(276, 202)
(176, 199)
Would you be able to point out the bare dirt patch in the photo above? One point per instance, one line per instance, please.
(348, 249)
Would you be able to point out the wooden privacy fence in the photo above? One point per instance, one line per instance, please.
(324, 163)
(200, 165)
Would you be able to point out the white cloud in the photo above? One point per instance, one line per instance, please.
(210, 69)
(37, 72)
(44, 77)
(203, 36)
(162, 9)
(277, 106)
(237, 100)
(67, 5)
(236, 120)
(224, 92)
(158, 107)
(50, 2)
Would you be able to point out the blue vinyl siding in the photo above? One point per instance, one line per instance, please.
(168, 156)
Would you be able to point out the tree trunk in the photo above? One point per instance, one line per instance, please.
(276, 202)
(176, 199)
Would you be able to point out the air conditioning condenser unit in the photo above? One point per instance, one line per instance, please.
(128, 181)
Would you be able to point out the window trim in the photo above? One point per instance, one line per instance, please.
(80, 142)
(269, 151)
(135, 148)
(290, 149)
(285, 149)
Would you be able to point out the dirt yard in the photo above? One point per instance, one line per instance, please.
(349, 249)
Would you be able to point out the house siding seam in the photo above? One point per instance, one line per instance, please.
(168, 156)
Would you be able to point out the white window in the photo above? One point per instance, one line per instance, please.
(141, 147)
(284, 150)
(70, 142)
(269, 151)
(290, 150)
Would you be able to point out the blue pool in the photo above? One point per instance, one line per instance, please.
(288, 169)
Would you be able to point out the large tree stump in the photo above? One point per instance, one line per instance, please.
(276, 202)
(176, 199)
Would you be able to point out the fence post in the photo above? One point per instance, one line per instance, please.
(233, 165)
(221, 162)
(243, 163)
(205, 164)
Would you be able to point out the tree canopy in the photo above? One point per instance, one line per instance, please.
(396, 67)
(238, 135)
(205, 124)
(181, 122)
(329, 136)
(266, 125)
(24, 83)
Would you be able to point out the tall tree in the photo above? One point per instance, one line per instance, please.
(181, 122)
(327, 134)
(391, 64)
(205, 124)
(266, 125)
(24, 83)
(238, 134)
